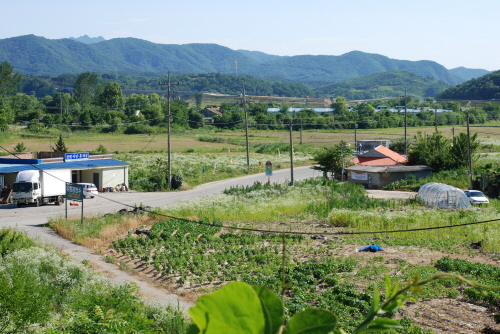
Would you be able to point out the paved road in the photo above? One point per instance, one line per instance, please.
(30, 219)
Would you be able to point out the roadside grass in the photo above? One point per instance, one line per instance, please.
(99, 231)
(43, 291)
(198, 168)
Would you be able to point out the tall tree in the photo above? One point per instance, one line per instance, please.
(85, 87)
(333, 159)
(60, 145)
(432, 151)
(111, 97)
(459, 151)
(9, 80)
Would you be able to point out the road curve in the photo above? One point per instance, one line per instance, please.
(30, 219)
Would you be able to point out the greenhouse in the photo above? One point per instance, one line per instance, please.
(443, 196)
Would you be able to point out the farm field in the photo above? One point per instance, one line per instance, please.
(237, 236)
(232, 140)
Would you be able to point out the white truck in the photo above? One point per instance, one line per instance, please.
(40, 187)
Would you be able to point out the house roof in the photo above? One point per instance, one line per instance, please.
(389, 169)
(374, 161)
(84, 164)
(384, 152)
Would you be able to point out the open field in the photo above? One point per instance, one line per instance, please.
(322, 264)
(233, 140)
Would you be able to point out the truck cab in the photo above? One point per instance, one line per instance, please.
(40, 187)
(26, 193)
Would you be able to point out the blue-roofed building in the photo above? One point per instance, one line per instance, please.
(104, 173)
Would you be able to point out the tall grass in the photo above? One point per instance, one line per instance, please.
(43, 292)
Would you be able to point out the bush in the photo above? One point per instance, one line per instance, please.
(139, 128)
(177, 181)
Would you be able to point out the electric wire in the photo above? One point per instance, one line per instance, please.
(199, 222)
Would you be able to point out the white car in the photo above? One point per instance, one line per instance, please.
(476, 197)
(89, 190)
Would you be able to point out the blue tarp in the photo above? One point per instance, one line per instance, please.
(371, 248)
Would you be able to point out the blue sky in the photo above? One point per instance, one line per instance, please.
(452, 33)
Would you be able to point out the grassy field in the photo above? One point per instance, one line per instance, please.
(230, 140)
(322, 265)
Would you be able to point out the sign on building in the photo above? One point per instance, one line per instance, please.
(76, 156)
(359, 176)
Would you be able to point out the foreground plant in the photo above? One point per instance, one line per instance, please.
(242, 308)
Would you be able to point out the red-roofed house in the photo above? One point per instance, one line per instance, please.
(380, 156)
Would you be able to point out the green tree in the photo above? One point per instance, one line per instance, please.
(85, 87)
(19, 147)
(340, 106)
(432, 151)
(60, 145)
(198, 97)
(9, 80)
(333, 159)
(111, 97)
(459, 151)
(35, 126)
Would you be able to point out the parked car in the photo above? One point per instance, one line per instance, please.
(476, 197)
(89, 189)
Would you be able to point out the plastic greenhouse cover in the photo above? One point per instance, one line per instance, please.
(443, 195)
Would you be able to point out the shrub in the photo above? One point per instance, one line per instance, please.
(177, 180)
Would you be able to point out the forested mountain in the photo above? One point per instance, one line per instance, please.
(88, 40)
(231, 84)
(468, 73)
(38, 55)
(261, 57)
(484, 88)
(386, 84)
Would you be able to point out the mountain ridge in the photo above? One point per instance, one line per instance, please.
(39, 55)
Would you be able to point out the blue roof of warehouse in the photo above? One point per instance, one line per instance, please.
(13, 168)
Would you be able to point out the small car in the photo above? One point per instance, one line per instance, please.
(89, 190)
(476, 197)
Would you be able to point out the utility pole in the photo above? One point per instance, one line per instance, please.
(355, 138)
(169, 161)
(342, 145)
(436, 119)
(406, 123)
(301, 131)
(469, 153)
(246, 131)
(291, 155)
(60, 105)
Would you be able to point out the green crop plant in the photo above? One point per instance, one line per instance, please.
(243, 308)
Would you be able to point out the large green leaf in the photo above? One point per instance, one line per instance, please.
(272, 308)
(381, 325)
(236, 308)
(312, 321)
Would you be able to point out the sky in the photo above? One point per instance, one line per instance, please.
(452, 33)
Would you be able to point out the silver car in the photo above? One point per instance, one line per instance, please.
(476, 197)
(89, 189)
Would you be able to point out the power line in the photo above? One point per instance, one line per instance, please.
(275, 231)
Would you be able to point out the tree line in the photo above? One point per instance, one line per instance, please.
(100, 106)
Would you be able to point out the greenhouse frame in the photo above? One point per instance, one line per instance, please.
(443, 196)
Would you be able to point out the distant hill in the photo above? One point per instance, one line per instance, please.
(484, 88)
(38, 55)
(261, 57)
(387, 84)
(468, 73)
(88, 40)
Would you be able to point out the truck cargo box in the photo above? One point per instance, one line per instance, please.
(53, 182)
